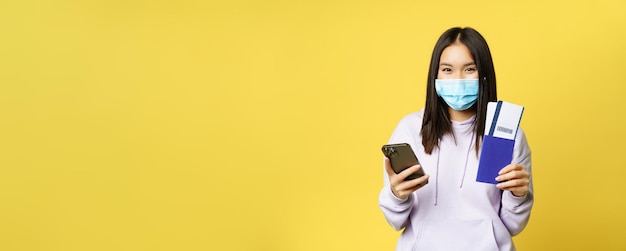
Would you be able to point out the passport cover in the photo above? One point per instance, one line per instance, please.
(496, 154)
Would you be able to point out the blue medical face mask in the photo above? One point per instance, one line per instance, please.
(459, 94)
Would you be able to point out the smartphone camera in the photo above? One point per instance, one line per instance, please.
(390, 152)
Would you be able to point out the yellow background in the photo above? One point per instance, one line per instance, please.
(257, 125)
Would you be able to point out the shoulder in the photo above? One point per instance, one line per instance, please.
(520, 138)
(408, 129)
(522, 149)
(412, 120)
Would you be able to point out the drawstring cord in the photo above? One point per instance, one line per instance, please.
(464, 168)
(466, 158)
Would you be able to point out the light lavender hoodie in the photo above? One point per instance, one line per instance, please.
(453, 211)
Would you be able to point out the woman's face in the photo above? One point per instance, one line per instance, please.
(456, 62)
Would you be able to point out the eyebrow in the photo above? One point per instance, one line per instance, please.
(465, 65)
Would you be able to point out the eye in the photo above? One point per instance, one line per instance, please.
(470, 69)
(446, 69)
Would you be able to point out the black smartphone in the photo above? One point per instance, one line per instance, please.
(402, 157)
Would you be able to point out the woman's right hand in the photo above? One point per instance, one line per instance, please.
(401, 188)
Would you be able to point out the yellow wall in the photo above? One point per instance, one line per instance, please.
(257, 125)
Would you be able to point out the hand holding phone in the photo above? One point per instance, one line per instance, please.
(401, 157)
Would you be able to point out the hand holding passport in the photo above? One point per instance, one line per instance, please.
(501, 127)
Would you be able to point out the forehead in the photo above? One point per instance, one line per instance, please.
(456, 53)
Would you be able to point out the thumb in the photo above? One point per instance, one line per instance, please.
(388, 168)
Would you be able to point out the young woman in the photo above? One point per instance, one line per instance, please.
(453, 211)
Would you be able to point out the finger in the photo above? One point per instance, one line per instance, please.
(411, 170)
(405, 188)
(414, 184)
(513, 184)
(514, 174)
(511, 167)
(410, 190)
(419, 182)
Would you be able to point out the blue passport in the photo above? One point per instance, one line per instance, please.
(496, 154)
(497, 148)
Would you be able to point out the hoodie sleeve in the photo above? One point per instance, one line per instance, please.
(396, 210)
(515, 211)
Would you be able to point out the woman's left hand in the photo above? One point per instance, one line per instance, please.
(514, 178)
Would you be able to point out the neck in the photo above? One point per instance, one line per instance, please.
(460, 116)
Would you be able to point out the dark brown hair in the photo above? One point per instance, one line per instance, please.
(436, 122)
